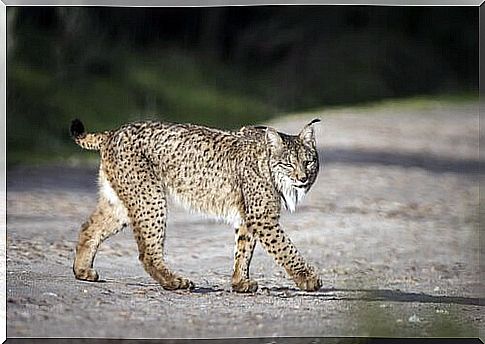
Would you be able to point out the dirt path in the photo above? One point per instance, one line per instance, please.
(391, 223)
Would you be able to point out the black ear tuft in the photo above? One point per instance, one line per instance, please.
(77, 128)
(316, 120)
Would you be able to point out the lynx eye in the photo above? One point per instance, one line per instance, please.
(286, 165)
(309, 163)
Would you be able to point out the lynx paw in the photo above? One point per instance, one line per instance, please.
(245, 286)
(178, 283)
(308, 282)
(86, 275)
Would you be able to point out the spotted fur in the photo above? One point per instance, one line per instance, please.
(242, 177)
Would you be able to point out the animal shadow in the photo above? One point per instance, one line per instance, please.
(374, 295)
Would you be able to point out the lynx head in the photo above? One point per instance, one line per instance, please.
(293, 161)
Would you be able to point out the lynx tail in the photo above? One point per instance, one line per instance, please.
(91, 141)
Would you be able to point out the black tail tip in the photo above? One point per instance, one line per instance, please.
(77, 128)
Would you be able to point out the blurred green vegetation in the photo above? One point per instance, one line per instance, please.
(174, 88)
(390, 319)
(222, 67)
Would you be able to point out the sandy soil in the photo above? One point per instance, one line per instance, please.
(391, 223)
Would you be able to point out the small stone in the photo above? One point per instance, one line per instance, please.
(414, 319)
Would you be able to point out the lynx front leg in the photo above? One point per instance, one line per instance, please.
(107, 220)
(279, 245)
(243, 252)
(263, 211)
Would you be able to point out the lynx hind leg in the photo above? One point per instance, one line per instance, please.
(243, 252)
(109, 217)
(146, 201)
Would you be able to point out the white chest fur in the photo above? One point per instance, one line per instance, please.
(290, 194)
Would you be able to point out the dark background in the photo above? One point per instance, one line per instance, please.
(223, 66)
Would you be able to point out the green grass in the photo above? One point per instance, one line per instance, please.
(422, 102)
(416, 103)
(391, 319)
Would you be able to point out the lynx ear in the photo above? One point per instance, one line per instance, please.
(307, 134)
(273, 139)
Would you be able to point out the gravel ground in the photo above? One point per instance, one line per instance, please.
(391, 223)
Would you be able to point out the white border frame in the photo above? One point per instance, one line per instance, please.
(213, 3)
(3, 172)
(149, 3)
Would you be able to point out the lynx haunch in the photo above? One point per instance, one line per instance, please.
(243, 177)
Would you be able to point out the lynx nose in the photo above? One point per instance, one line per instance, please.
(303, 179)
